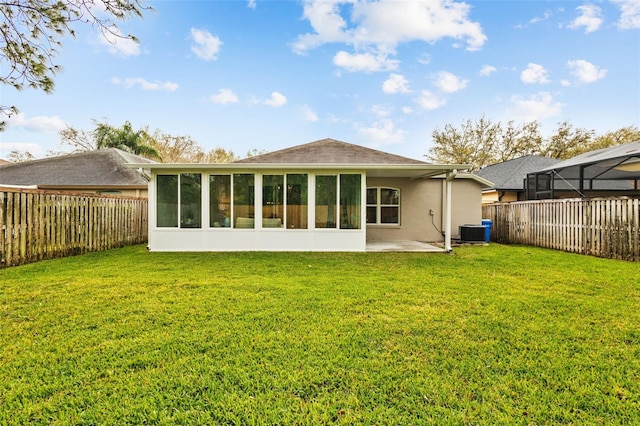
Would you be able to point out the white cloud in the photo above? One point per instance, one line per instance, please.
(383, 24)
(382, 132)
(424, 59)
(381, 110)
(630, 14)
(224, 96)
(206, 46)
(38, 124)
(534, 74)
(590, 18)
(585, 71)
(430, 101)
(251, 4)
(487, 70)
(33, 148)
(377, 27)
(538, 106)
(276, 100)
(366, 62)
(118, 45)
(449, 83)
(167, 86)
(544, 17)
(396, 83)
(309, 114)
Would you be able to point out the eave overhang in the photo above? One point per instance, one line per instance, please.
(372, 170)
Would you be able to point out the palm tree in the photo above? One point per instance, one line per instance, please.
(126, 139)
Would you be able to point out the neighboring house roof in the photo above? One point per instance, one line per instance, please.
(329, 151)
(104, 168)
(510, 174)
(3, 162)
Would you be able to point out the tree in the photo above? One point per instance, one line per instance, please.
(483, 143)
(159, 145)
(16, 156)
(177, 149)
(79, 140)
(472, 144)
(183, 149)
(516, 141)
(32, 31)
(220, 155)
(138, 142)
(106, 136)
(568, 142)
(621, 136)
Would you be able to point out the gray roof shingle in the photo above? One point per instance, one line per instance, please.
(101, 168)
(329, 151)
(510, 174)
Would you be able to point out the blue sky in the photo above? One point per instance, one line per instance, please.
(267, 75)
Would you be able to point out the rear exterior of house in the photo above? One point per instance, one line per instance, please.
(323, 196)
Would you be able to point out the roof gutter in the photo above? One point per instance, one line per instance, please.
(429, 169)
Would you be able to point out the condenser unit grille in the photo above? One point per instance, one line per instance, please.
(472, 233)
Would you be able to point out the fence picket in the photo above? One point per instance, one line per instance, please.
(603, 227)
(37, 225)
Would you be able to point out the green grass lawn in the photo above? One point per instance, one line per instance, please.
(487, 335)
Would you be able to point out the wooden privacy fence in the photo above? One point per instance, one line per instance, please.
(37, 225)
(604, 227)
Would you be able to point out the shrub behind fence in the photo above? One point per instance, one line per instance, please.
(37, 225)
(603, 227)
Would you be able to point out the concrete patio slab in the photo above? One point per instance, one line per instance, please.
(403, 246)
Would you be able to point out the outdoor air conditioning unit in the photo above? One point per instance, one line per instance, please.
(472, 233)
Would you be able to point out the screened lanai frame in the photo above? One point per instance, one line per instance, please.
(608, 171)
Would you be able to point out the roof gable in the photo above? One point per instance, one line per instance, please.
(329, 151)
(510, 174)
(101, 168)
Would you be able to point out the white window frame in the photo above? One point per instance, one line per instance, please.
(378, 205)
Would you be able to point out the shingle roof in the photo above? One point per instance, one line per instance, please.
(101, 168)
(510, 174)
(329, 151)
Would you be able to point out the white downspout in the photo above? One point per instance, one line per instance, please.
(450, 176)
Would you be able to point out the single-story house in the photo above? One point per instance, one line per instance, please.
(606, 172)
(326, 195)
(104, 171)
(509, 177)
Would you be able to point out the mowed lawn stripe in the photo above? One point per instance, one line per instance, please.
(487, 335)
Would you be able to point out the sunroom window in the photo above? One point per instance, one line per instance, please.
(284, 201)
(243, 200)
(220, 201)
(338, 201)
(383, 206)
(350, 204)
(326, 201)
(179, 200)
